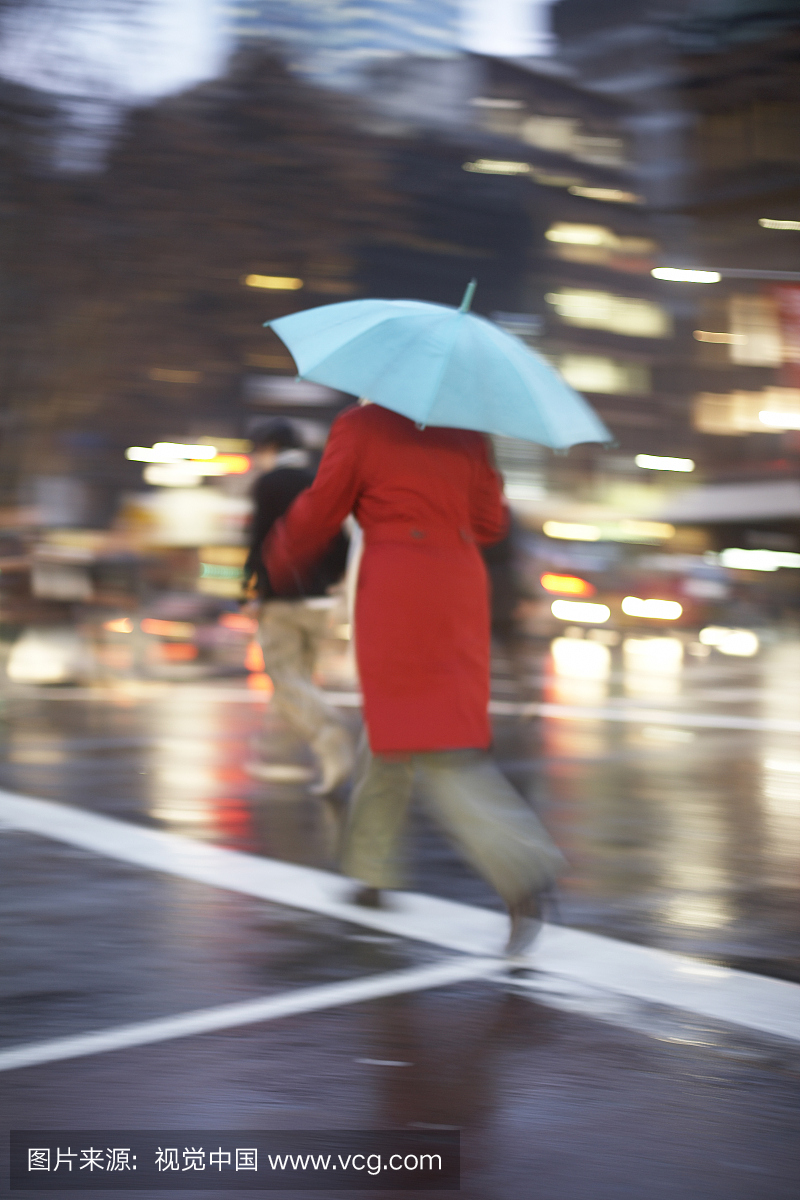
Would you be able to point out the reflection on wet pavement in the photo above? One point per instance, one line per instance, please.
(680, 838)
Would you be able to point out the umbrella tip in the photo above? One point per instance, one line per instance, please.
(468, 294)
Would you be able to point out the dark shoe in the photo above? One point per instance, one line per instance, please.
(526, 922)
(368, 897)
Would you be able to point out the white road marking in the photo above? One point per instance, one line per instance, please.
(647, 716)
(657, 976)
(389, 1062)
(626, 713)
(279, 772)
(249, 1012)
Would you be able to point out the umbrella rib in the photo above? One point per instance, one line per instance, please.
(370, 329)
(544, 415)
(388, 366)
(541, 411)
(458, 327)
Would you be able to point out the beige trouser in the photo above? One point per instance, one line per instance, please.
(470, 799)
(290, 632)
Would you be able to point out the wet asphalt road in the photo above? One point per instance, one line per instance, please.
(680, 835)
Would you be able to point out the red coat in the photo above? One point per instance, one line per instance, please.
(425, 499)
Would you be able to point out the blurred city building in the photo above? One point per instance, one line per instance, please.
(626, 189)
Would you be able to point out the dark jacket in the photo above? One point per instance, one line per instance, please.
(273, 493)
(508, 586)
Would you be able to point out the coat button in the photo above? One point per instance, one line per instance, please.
(417, 533)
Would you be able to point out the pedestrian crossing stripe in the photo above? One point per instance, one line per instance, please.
(565, 962)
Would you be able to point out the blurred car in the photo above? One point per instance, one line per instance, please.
(179, 636)
(618, 590)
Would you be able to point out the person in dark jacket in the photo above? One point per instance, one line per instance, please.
(292, 623)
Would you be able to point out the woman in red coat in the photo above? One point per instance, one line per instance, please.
(426, 499)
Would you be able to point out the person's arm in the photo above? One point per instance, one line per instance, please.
(488, 510)
(313, 521)
(273, 493)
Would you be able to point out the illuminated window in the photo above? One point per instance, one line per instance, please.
(550, 133)
(737, 413)
(565, 135)
(599, 245)
(685, 275)
(627, 315)
(571, 531)
(595, 373)
(610, 195)
(729, 339)
(567, 233)
(496, 166)
(496, 102)
(276, 283)
(580, 235)
(756, 328)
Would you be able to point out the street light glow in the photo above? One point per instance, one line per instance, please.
(570, 531)
(178, 450)
(614, 195)
(579, 235)
(169, 452)
(496, 166)
(660, 462)
(678, 275)
(758, 560)
(727, 339)
(495, 102)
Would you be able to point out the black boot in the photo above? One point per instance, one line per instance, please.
(368, 897)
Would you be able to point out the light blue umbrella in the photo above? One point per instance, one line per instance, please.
(439, 366)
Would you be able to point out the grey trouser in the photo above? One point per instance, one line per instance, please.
(289, 632)
(471, 800)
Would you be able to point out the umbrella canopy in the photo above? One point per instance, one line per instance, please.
(439, 366)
